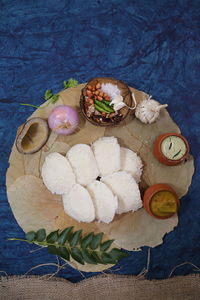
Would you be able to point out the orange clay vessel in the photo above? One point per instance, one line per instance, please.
(171, 149)
(158, 192)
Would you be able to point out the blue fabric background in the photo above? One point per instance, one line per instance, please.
(152, 46)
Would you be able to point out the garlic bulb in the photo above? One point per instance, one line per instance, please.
(147, 111)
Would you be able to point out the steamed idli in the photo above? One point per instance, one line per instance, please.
(107, 153)
(105, 203)
(126, 189)
(83, 163)
(78, 204)
(132, 163)
(57, 174)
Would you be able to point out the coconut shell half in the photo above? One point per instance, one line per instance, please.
(32, 136)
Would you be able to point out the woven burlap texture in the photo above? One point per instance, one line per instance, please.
(110, 287)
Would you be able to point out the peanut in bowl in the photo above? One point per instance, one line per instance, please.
(97, 97)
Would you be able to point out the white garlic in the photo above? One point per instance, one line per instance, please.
(117, 102)
(147, 111)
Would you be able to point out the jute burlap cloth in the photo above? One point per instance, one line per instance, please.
(110, 287)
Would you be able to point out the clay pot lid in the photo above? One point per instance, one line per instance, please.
(151, 191)
(158, 153)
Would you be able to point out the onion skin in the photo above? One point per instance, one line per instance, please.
(63, 120)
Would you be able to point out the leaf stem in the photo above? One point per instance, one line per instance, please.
(35, 106)
(31, 105)
(22, 240)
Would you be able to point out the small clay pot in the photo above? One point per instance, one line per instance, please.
(151, 191)
(159, 154)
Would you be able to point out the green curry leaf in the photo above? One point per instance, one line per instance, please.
(68, 243)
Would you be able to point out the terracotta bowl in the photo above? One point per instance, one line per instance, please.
(151, 191)
(160, 156)
(125, 93)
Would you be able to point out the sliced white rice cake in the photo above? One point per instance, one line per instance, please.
(126, 189)
(78, 204)
(104, 201)
(132, 163)
(57, 174)
(107, 154)
(83, 163)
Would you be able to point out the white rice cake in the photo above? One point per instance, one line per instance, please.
(132, 163)
(126, 189)
(83, 163)
(107, 154)
(57, 174)
(78, 204)
(104, 201)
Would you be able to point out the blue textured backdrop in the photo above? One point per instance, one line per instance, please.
(151, 45)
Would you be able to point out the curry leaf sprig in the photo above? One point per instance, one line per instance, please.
(68, 243)
(53, 98)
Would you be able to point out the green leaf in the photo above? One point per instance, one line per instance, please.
(96, 257)
(107, 259)
(47, 94)
(96, 240)
(75, 238)
(40, 235)
(67, 244)
(64, 235)
(53, 250)
(54, 98)
(106, 245)
(70, 83)
(87, 240)
(76, 254)
(117, 254)
(52, 237)
(30, 236)
(63, 252)
(88, 257)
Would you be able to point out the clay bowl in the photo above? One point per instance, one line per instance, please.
(151, 191)
(160, 156)
(125, 93)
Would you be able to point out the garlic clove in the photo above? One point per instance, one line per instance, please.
(159, 107)
(117, 100)
(119, 106)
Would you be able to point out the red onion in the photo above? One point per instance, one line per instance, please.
(63, 119)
